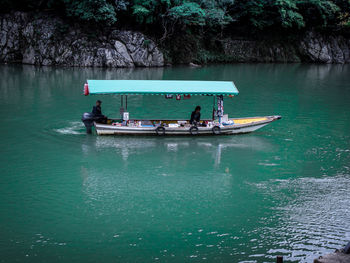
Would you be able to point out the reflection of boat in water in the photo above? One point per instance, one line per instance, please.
(178, 163)
(147, 143)
(220, 124)
(130, 145)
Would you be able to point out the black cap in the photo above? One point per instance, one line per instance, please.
(99, 101)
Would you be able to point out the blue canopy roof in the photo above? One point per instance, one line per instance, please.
(161, 87)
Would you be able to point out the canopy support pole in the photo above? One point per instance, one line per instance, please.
(121, 110)
(214, 112)
(126, 102)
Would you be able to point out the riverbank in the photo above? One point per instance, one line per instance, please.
(46, 39)
(339, 256)
(336, 257)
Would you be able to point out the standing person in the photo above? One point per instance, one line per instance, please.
(97, 112)
(196, 116)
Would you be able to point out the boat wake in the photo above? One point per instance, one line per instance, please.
(75, 127)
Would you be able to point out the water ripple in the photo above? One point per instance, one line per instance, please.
(315, 220)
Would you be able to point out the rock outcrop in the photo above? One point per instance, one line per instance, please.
(47, 40)
(324, 49)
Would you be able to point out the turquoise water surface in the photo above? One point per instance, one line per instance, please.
(70, 197)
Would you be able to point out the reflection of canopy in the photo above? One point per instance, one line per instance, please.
(161, 87)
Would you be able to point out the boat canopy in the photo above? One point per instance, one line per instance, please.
(161, 87)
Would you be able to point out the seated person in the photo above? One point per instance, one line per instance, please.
(97, 112)
(196, 116)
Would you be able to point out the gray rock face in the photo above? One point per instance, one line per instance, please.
(259, 51)
(312, 47)
(49, 41)
(318, 48)
(143, 52)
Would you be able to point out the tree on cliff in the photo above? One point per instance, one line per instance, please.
(172, 15)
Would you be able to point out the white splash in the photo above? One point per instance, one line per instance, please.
(74, 128)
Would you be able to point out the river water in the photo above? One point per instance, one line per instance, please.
(70, 197)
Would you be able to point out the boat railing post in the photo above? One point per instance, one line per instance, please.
(279, 259)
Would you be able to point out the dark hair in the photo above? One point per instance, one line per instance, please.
(197, 108)
(98, 101)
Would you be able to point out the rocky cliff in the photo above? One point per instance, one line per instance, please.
(44, 39)
(309, 47)
(47, 40)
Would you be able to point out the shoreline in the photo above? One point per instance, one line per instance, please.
(338, 256)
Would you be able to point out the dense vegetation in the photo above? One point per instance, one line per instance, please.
(216, 15)
(191, 29)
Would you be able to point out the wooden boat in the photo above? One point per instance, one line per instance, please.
(219, 125)
(240, 125)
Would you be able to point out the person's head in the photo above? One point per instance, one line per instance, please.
(98, 103)
(198, 109)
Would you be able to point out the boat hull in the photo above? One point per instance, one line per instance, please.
(241, 125)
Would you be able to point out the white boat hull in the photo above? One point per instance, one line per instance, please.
(242, 125)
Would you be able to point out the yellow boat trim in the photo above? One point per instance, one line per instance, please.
(249, 120)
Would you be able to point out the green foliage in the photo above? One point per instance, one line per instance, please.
(266, 13)
(188, 13)
(141, 13)
(183, 12)
(193, 15)
(217, 12)
(146, 43)
(91, 10)
(149, 11)
(319, 12)
(344, 6)
(252, 12)
(217, 17)
(288, 14)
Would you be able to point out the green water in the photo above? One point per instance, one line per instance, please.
(70, 197)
